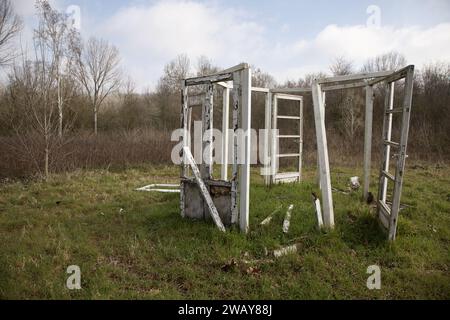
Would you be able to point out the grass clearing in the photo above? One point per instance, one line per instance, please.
(135, 245)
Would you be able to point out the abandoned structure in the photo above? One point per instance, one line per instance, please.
(226, 200)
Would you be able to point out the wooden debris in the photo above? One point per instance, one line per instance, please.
(285, 251)
(316, 203)
(270, 216)
(287, 219)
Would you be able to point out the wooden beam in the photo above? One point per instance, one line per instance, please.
(221, 76)
(359, 84)
(207, 126)
(244, 201)
(225, 129)
(291, 90)
(355, 77)
(263, 90)
(236, 125)
(368, 139)
(322, 153)
(204, 190)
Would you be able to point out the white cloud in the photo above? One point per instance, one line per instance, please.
(150, 36)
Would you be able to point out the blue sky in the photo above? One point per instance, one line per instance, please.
(285, 38)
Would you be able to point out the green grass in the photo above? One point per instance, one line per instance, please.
(147, 251)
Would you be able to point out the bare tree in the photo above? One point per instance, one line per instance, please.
(341, 66)
(10, 25)
(384, 62)
(97, 69)
(55, 38)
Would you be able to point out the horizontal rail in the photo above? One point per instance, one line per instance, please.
(257, 89)
(289, 117)
(383, 206)
(209, 79)
(388, 175)
(288, 97)
(400, 74)
(291, 90)
(345, 86)
(395, 110)
(356, 77)
(288, 155)
(391, 143)
(289, 136)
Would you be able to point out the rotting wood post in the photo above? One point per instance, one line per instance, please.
(244, 199)
(225, 129)
(184, 125)
(207, 125)
(236, 124)
(322, 153)
(267, 138)
(368, 139)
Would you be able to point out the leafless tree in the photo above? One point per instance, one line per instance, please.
(384, 62)
(341, 66)
(97, 67)
(54, 35)
(10, 25)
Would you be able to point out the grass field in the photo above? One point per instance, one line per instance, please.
(135, 245)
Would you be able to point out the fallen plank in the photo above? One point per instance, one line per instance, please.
(204, 191)
(287, 219)
(270, 216)
(285, 251)
(316, 203)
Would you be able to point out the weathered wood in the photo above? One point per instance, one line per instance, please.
(269, 218)
(368, 139)
(207, 126)
(400, 168)
(395, 76)
(221, 76)
(244, 200)
(225, 129)
(275, 141)
(322, 152)
(267, 138)
(291, 90)
(209, 79)
(355, 77)
(183, 124)
(300, 158)
(204, 190)
(316, 203)
(345, 86)
(287, 219)
(236, 125)
(285, 251)
(257, 89)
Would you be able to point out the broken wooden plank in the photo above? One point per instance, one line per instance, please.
(285, 251)
(270, 216)
(204, 191)
(287, 219)
(316, 203)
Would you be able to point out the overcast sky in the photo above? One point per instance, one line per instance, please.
(285, 38)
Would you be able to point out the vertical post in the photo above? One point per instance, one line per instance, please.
(225, 129)
(184, 125)
(244, 201)
(322, 153)
(207, 119)
(300, 160)
(407, 103)
(236, 124)
(267, 138)
(274, 149)
(324, 95)
(368, 139)
(387, 135)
